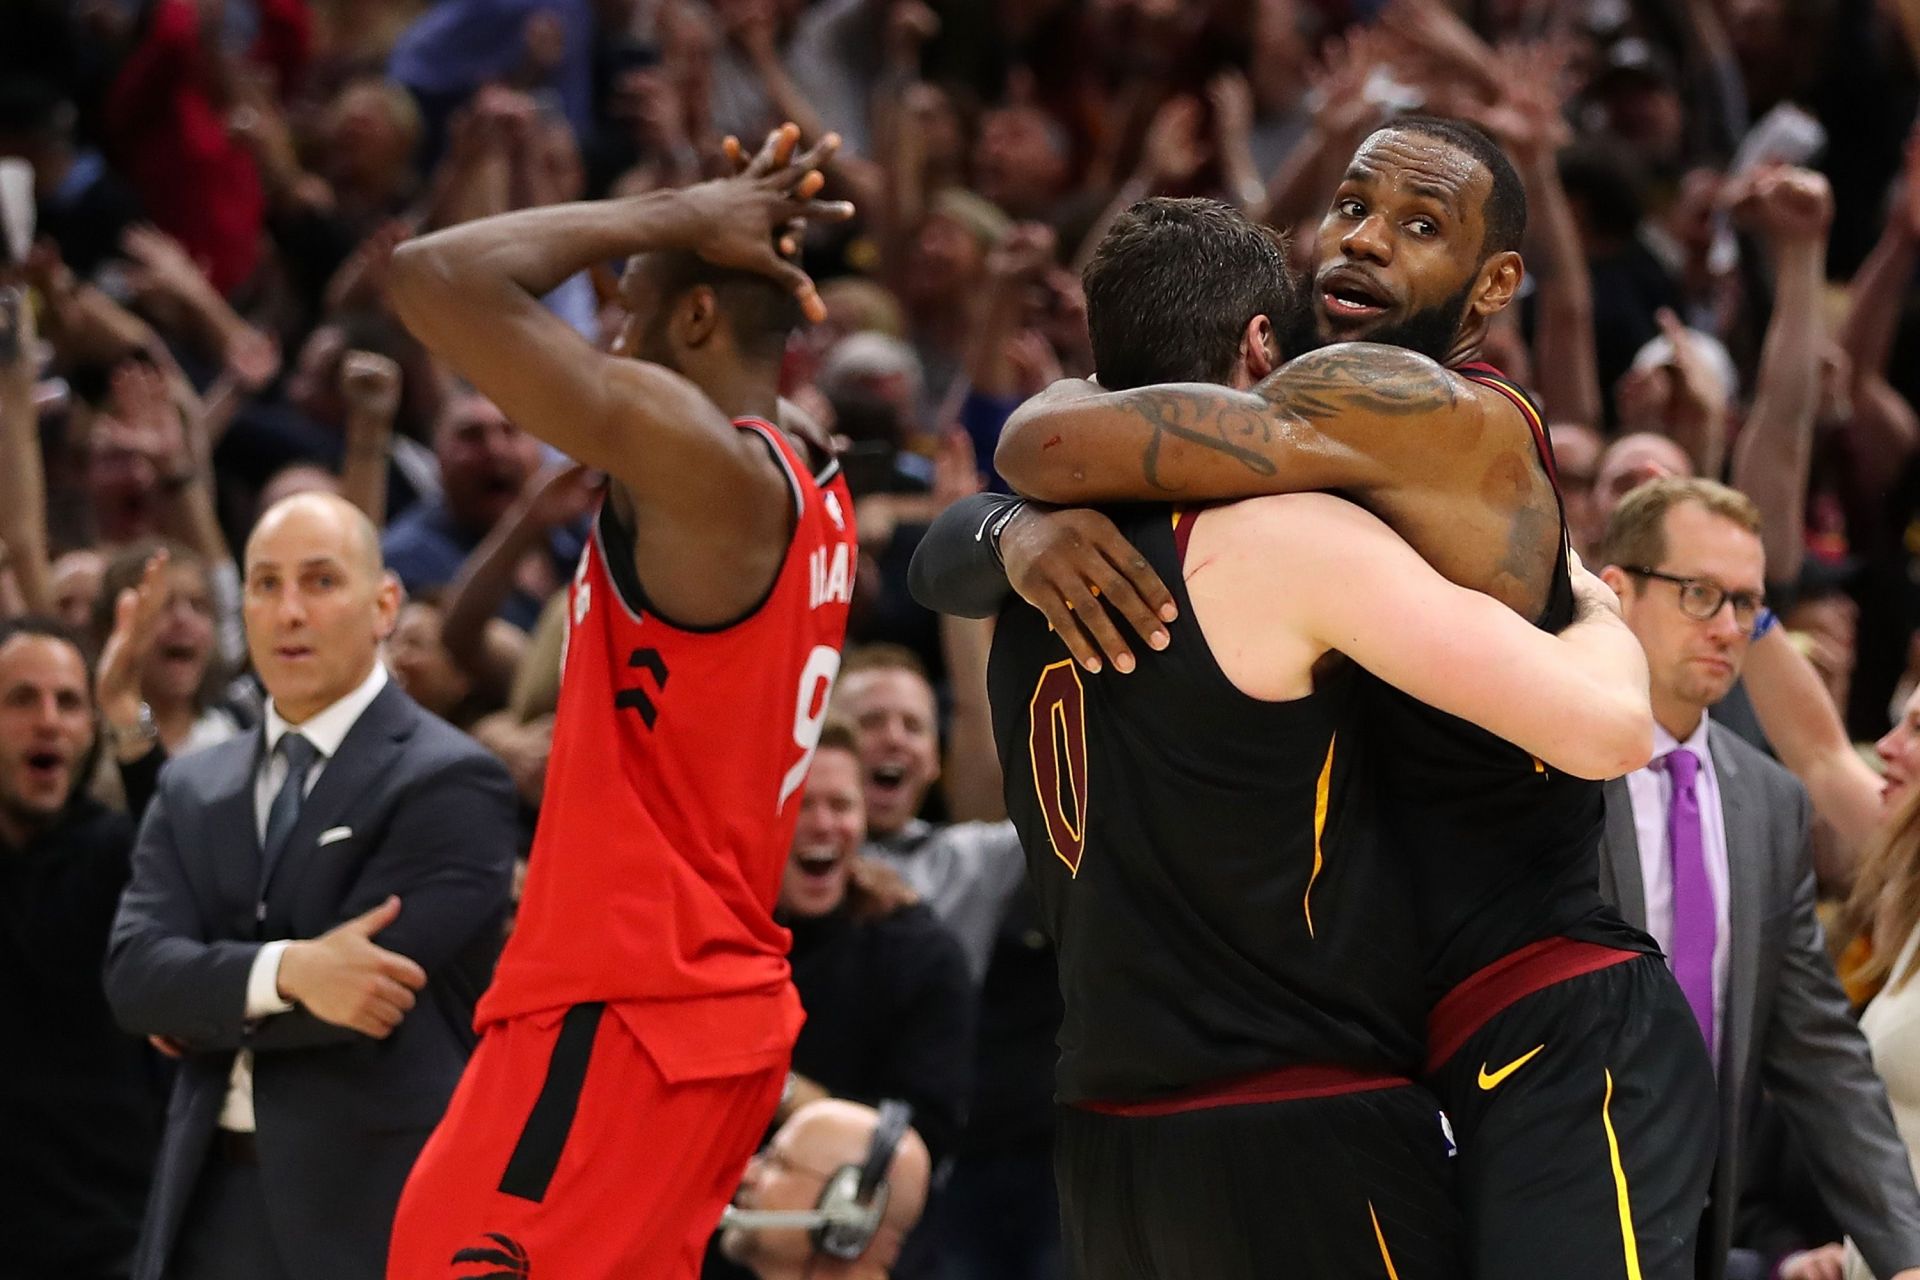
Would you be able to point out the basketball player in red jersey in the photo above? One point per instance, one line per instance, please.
(635, 1039)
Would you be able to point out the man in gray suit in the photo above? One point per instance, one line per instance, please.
(1707, 848)
(314, 1060)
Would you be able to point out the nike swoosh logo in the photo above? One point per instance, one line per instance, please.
(1495, 1079)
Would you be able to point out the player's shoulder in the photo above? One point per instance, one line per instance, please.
(1499, 400)
(1369, 375)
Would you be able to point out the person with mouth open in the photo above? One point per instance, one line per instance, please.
(77, 1105)
(1883, 915)
(888, 997)
(181, 673)
(485, 463)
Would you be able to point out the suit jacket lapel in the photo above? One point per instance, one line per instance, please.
(365, 754)
(1743, 808)
(1620, 856)
(231, 819)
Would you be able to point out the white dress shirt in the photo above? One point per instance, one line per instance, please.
(1651, 789)
(325, 730)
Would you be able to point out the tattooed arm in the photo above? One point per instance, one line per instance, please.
(1352, 417)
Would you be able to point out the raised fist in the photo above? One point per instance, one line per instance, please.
(370, 383)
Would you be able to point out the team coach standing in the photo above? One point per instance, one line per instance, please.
(314, 910)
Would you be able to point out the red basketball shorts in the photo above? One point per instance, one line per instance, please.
(566, 1154)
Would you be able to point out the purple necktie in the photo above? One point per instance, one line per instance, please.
(1696, 924)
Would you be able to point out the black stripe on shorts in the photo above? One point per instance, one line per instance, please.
(537, 1154)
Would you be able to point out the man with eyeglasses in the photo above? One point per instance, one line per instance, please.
(1708, 849)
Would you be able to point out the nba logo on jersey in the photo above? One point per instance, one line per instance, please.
(581, 603)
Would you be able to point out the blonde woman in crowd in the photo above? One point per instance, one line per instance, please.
(1883, 911)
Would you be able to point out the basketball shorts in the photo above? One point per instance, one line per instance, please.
(1587, 1117)
(1347, 1186)
(565, 1153)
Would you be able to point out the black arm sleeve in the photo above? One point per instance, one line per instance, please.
(139, 778)
(955, 569)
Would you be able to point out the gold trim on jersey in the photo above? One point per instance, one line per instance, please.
(1320, 791)
(1380, 1238)
(1627, 1238)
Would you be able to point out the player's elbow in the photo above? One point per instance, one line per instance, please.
(417, 273)
(1618, 738)
(1014, 455)
(1633, 738)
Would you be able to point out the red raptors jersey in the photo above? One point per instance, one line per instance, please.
(672, 794)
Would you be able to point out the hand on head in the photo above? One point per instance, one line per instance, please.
(741, 216)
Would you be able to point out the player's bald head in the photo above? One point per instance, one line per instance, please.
(321, 523)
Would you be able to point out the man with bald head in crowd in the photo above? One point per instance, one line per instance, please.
(314, 910)
(1629, 462)
(791, 1175)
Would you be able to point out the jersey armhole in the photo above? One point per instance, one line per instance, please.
(1337, 675)
(1491, 378)
(615, 539)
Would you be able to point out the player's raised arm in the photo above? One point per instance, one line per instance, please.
(1353, 416)
(472, 294)
(1577, 700)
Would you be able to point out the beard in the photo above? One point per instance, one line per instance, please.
(1430, 331)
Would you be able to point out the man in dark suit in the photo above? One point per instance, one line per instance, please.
(1707, 848)
(315, 1060)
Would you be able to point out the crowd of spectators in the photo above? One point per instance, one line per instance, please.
(199, 200)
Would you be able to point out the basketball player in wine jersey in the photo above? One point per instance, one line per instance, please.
(635, 1039)
(1566, 1057)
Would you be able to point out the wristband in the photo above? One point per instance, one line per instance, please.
(1766, 622)
(142, 730)
(999, 524)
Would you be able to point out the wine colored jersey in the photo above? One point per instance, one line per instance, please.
(672, 791)
(1506, 851)
(1210, 865)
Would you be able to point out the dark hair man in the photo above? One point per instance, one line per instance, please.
(78, 1101)
(1420, 247)
(1154, 318)
(889, 1000)
(704, 633)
